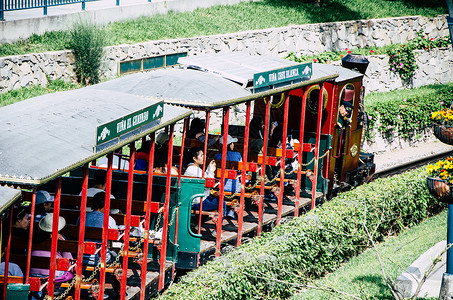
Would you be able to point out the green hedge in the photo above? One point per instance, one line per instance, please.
(409, 116)
(312, 245)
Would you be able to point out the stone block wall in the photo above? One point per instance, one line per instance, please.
(435, 66)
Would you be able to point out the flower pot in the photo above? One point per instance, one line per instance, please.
(444, 133)
(440, 189)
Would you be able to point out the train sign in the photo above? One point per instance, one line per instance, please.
(286, 74)
(127, 125)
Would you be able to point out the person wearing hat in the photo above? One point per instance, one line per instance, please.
(44, 202)
(231, 154)
(46, 225)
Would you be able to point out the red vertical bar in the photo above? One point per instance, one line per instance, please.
(127, 230)
(226, 118)
(331, 126)
(283, 158)
(83, 208)
(105, 230)
(301, 151)
(30, 234)
(205, 151)
(318, 137)
(244, 172)
(53, 249)
(8, 251)
(149, 192)
(163, 250)
(263, 165)
(186, 126)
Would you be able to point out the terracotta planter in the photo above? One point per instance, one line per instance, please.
(440, 189)
(444, 133)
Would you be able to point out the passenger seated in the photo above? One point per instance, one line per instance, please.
(196, 131)
(100, 181)
(13, 269)
(142, 157)
(95, 218)
(257, 128)
(20, 228)
(231, 154)
(231, 185)
(161, 154)
(44, 202)
(195, 156)
(46, 225)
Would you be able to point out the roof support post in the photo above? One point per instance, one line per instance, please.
(105, 231)
(30, 235)
(149, 193)
(318, 138)
(263, 165)
(127, 229)
(244, 172)
(301, 150)
(226, 118)
(83, 210)
(283, 158)
(163, 250)
(8, 250)
(54, 245)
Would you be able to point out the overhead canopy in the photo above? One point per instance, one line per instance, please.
(207, 90)
(235, 66)
(47, 136)
(7, 197)
(178, 85)
(240, 67)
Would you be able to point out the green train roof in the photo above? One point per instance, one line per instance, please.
(47, 136)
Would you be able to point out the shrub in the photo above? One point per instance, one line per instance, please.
(408, 116)
(310, 246)
(87, 42)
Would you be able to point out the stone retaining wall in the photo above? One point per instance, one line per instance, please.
(435, 66)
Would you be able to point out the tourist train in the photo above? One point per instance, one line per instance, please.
(306, 148)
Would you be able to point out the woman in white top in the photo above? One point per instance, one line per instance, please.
(194, 169)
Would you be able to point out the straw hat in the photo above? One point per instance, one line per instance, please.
(46, 223)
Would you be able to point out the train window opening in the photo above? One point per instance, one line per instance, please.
(149, 63)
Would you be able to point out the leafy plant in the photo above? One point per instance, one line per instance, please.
(310, 246)
(402, 61)
(87, 42)
(408, 116)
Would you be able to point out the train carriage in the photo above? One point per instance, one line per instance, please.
(58, 142)
(221, 82)
(46, 137)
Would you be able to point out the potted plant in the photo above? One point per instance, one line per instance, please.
(443, 125)
(440, 180)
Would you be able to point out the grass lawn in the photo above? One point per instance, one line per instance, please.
(240, 17)
(433, 89)
(17, 95)
(362, 276)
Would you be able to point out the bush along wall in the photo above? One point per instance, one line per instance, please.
(406, 117)
(307, 247)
